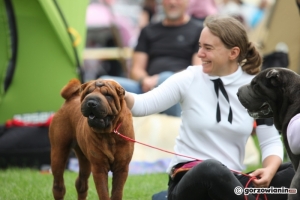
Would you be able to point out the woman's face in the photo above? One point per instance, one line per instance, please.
(217, 60)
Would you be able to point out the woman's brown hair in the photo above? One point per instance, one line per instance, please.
(233, 34)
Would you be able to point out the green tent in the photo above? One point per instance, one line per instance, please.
(41, 46)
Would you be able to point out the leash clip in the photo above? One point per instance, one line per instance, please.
(116, 129)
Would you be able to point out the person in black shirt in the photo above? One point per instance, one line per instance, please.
(163, 49)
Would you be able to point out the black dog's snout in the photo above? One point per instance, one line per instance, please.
(92, 103)
(238, 93)
(240, 90)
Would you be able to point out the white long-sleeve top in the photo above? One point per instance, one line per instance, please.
(200, 135)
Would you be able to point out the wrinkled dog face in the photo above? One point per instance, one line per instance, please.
(101, 103)
(256, 107)
(265, 92)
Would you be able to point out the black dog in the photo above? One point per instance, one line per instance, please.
(275, 92)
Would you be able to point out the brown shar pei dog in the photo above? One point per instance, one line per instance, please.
(86, 123)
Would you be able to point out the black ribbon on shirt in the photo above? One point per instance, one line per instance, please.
(219, 86)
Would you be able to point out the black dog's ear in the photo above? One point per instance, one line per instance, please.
(274, 76)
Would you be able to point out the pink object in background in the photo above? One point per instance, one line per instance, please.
(202, 8)
(99, 15)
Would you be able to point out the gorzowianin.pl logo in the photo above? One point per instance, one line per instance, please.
(271, 190)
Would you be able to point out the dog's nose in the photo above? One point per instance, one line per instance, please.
(92, 103)
(239, 92)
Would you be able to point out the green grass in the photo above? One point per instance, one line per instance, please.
(29, 184)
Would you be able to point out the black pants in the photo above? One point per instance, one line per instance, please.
(211, 179)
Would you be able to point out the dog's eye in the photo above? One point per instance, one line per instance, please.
(90, 90)
(253, 82)
(108, 97)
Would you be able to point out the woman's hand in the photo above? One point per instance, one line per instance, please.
(264, 177)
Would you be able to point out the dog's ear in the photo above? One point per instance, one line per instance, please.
(274, 76)
(83, 86)
(71, 89)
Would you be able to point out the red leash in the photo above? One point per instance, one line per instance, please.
(238, 172)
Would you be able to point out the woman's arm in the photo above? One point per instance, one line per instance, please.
(272, 154)
(160, 98)
(269, 141)
(157, 100)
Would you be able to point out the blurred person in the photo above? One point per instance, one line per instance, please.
(249, 14)
(199, 10)
(147, 13)
(232, 8)
(163, 49)
(254, 14)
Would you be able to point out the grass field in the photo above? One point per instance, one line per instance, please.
(29, 184)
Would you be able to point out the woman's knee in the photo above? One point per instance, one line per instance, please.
(284, 175)
(210, 168)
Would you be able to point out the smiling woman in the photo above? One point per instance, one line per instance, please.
(238, 50)
(215, 126)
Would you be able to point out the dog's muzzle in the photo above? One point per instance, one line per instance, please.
(257, 107)
(96, 113)
(265, 111)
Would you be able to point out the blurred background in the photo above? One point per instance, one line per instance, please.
(44, 44)
(271, 24)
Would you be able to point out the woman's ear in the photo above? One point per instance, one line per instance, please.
(234, 53)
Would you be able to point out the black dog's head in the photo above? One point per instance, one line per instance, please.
(270, 93)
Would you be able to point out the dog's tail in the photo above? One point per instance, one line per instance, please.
(71, 89)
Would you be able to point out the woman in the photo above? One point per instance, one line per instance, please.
(215, 126)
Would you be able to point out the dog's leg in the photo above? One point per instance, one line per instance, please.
(295, 184)
(100, 176)
(59, 157)
(83, 176)
(118, 182)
